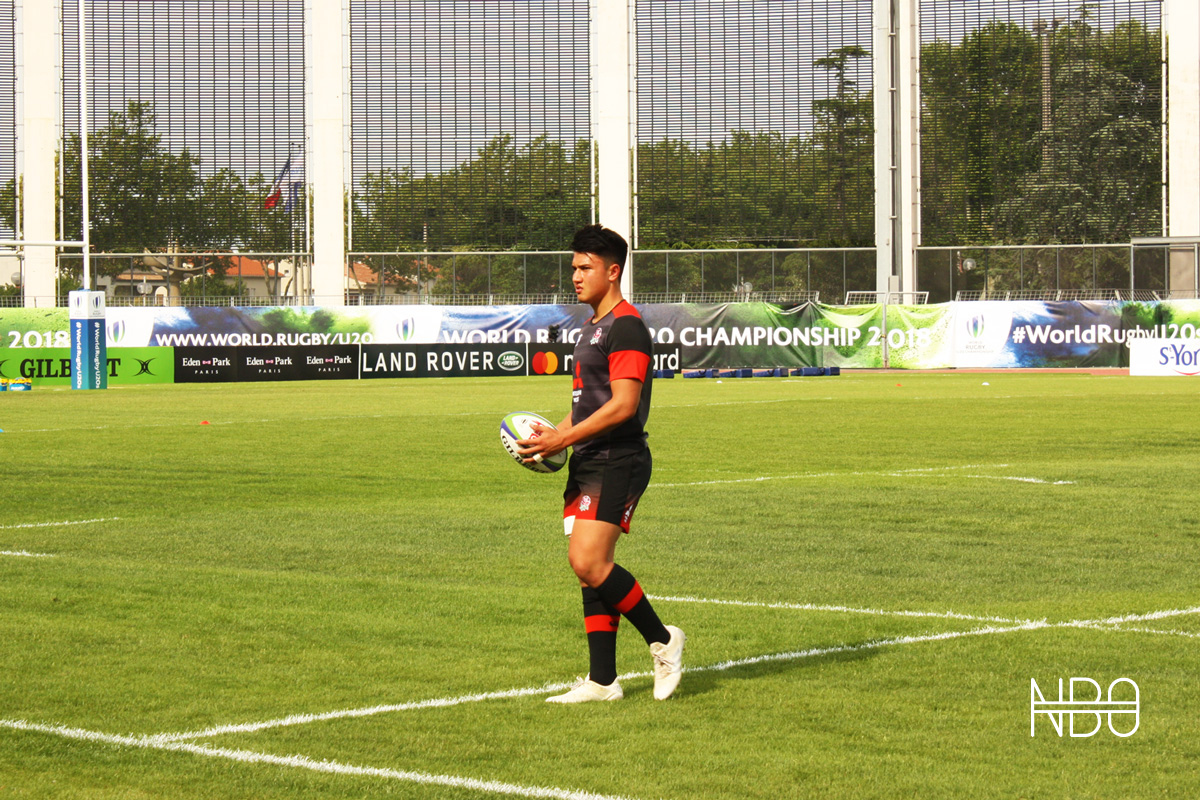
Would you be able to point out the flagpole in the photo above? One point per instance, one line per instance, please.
(83, 148)
(291, 206)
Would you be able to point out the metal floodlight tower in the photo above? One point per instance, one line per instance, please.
(83, 147)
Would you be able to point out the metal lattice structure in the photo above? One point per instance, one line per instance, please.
(195, 108)
(470, 123)
(1041, 121)
(754, 123)
(8, 123)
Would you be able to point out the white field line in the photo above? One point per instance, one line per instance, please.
(446, 702)
(897, 473)
(56, 524)
(175, 743)
(840, 609)
(804, 475)
(370, 711)
(24, 554)
(1023, 480)
(301, 719)
(301, 762)
(1188, 634)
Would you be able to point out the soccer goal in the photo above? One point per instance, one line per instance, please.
(887, 298)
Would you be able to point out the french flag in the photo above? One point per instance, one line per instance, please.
(277, 187)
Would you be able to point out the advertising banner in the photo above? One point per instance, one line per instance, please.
(461, 360)
(985, 334)
(1167, 357)
(229, 364)
(54, 366)
(1037, 334)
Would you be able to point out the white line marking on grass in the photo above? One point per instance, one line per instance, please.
(304, 719)
(843, 609)
(1188, 634)
(301, 719)
(57, 524)
(445, 702)
(302, 762)
(902, 473)
(24, 554)
(1172, 612)
(1023, 480)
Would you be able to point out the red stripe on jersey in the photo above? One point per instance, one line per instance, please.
(632, 599)
(625, 309)
(628, 364)
(601, 623)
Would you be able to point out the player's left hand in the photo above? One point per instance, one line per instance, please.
(544, 442)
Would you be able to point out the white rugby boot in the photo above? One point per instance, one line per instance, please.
(587, 690)
(668, 663)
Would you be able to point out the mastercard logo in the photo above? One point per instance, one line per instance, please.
(545, 363)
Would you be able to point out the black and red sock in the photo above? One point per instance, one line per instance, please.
(622, 592)
(601, 623)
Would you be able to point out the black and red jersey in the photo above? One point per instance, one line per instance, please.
(614, 348)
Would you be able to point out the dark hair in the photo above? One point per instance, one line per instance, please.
(601, 241)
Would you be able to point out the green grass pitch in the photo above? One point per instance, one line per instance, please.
(896, 556)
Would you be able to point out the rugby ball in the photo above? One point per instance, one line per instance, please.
(519, 425)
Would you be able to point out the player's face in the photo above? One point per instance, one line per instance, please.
(592, 277)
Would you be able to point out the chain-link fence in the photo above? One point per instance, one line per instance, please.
(784, 276)
(191, 279)
(1043, 272)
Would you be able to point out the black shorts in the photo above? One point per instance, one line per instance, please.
(605, 489)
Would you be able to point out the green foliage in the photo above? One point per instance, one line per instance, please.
(507, 197)
(144, 197)
(211, 286)
(294, 320)
(995, 171)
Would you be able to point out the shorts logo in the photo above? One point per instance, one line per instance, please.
(596, 336)
(585, 502)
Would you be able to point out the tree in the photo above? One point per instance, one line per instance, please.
(1009, 158)
(980, 108)
(844, 153)
(1099, 176)
(142, 196)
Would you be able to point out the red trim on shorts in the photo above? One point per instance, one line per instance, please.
(632, 599)
(628, 365)
(572, 509)
(601, 623)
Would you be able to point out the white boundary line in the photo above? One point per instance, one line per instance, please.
(24, 554)
(896, 473)
(1023, 480)
(1188, 634)
(176, 743)
(302, 762)
(57, 524)
(841, 609)
(445, 702)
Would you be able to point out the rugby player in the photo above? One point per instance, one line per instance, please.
(609, 468)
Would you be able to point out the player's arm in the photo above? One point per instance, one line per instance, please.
(626, 395)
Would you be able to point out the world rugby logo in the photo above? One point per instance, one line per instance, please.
(975, 326)
(116, 331)
(406, 328)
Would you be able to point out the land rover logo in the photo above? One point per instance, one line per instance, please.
(511, 361)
